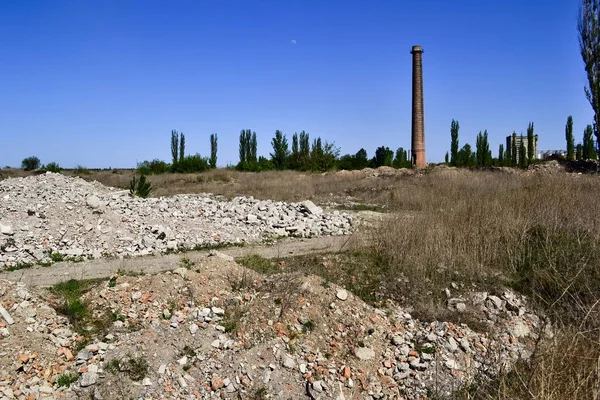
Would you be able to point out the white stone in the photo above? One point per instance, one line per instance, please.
(342, 294)
(364, 353)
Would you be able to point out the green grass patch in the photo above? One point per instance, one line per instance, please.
(19, 266)
(72, 304)
(57, 257)
(260, 264)
(361, 207)
(66, 380)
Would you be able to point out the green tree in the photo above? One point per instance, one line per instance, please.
(247, 151)
(454, 127)
(383, 157)
(446, 159)
(530, 143)
(30, 163)
(294, 162)
(242, 149)
(181, 146)
(174, 148)
(465, 156)
(501, 155)
(304, 151)
(588, 27)
(213, 150)
(253, 150)
(579, 152)
(483, 154)
(523, 161)
(589, 151)
(401, 159)
(570, 139)
(52, 167)
(361, 159)
(281, 151)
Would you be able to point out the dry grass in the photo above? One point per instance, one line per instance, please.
(274, 185)
(538, 233)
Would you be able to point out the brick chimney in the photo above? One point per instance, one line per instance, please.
(418, 116)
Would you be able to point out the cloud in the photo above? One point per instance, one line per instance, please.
(293, 41)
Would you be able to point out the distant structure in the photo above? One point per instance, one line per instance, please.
(522, 139)
(549, 154)
(418, 116)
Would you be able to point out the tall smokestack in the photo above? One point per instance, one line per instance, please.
(418, 124)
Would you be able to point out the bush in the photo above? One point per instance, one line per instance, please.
(195, 163)
(155, 166)
(52, 167)
(141, 187)
(81, 170)
(30, 163)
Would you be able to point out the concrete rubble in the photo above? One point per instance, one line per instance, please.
(75, 219)
(222, 331)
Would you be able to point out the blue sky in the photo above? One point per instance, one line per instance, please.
(102, 83)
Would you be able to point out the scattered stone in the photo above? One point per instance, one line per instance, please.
(364, 353)
(88, 379)
(289, 362)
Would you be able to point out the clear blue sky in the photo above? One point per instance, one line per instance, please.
(102, 83)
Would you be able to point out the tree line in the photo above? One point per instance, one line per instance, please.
(302, 155)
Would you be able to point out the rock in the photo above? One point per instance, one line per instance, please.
(193, 328)
(180, 271)
(311, 208)
(216, 383)
(520, 330)
(494, 302)
(218, 311)
(146, 382)
(288, 362)
(6, 315)
(136, 296)
(88, 379)
(318, 386)
(230, 388)
(6, 229)
(342, 294)
(93, 201)
(461, 307)
(364, 353)
(397, 340)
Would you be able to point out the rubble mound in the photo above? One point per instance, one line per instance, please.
(218, 330)
(75, 219)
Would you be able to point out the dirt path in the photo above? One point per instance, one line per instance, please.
(104, 268)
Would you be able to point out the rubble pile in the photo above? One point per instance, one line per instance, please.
(218, 330)
(76, 219)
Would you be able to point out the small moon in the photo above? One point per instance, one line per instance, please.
(293, 41)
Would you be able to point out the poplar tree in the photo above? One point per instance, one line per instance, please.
(213, 150)
(570, 139)
(281, 151)
(174, 148)
(589, 151)
(454, 127)
(588, 27)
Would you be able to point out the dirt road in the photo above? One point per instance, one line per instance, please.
(104, 268)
